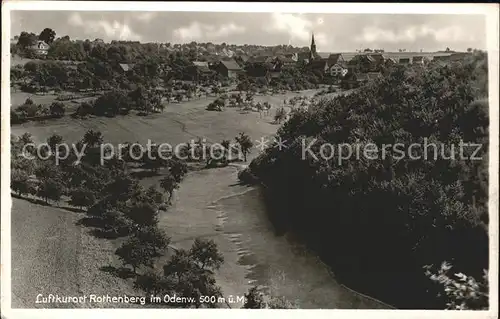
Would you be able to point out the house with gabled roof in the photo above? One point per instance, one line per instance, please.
(40, 48)
(338, 70)
(322, 65)
(126, 67)
(229, 69)
(362, 63)
(282, 62)
(199, 71)
(390, 61)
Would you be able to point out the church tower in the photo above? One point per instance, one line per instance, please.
(313, 48)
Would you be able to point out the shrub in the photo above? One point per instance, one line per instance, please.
(135, 253)
(84, 109)
(461, 292)
(57, 109)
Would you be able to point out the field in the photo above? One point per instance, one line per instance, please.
(208, 204)
(179, 122)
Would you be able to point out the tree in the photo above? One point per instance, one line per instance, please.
(48, 35)
(26, 39)
(57, 109)
(256, 299)
(153, 283)
(169, 184)
(462, 292)
(226, 144)
(92, 138)
(82, 198)
(153, 237)
(190, 280)
(280, 115)
(135, 253)
(112, 103)
(20, 182)
(249, 97)
(245, 144)
(177, 168)
(54, 141)
(26, 138)
(205, 252)
(45, 171)
(153, 195)
(143, 214)
(29, 101)
(50, 189)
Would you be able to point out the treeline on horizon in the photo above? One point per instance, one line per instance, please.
(403, 231)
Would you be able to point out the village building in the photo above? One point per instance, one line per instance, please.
(229, 69)
(282, 63)
(404, 60)
(390, 62)
(338, 70)
(125, 68)
(362, 63)
(200, 71)
(40, 48)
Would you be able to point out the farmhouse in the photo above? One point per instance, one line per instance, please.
(124, 67)
(40, 48)
(283, 62)
(362, 63)
(338, 70)
(200, 71)
(229, 69)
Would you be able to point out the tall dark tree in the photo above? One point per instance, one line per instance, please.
(48, 35)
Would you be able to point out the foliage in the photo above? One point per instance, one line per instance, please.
(135, 253)
(20, 183)
(48, 35)
(169, 184)
(151, 236)
(461, 292)
(205, 252)
(112, 103)
(245, 144)
(50, 189)
(82, 198)
(255, 299)
(57, 109)
(437, 208)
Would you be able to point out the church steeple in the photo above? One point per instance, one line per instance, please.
(313, 47)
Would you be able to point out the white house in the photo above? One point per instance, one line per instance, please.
(337, 70)
(40, 48)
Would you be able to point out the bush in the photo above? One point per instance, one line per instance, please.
(83, 110)
(462, 292)
(57, 109)
(29, 110)
(112, 103)
(245, 176)
(16, 118)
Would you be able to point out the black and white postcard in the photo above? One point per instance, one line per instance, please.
(181, 157)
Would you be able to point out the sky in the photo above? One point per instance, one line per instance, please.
(333, 32)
